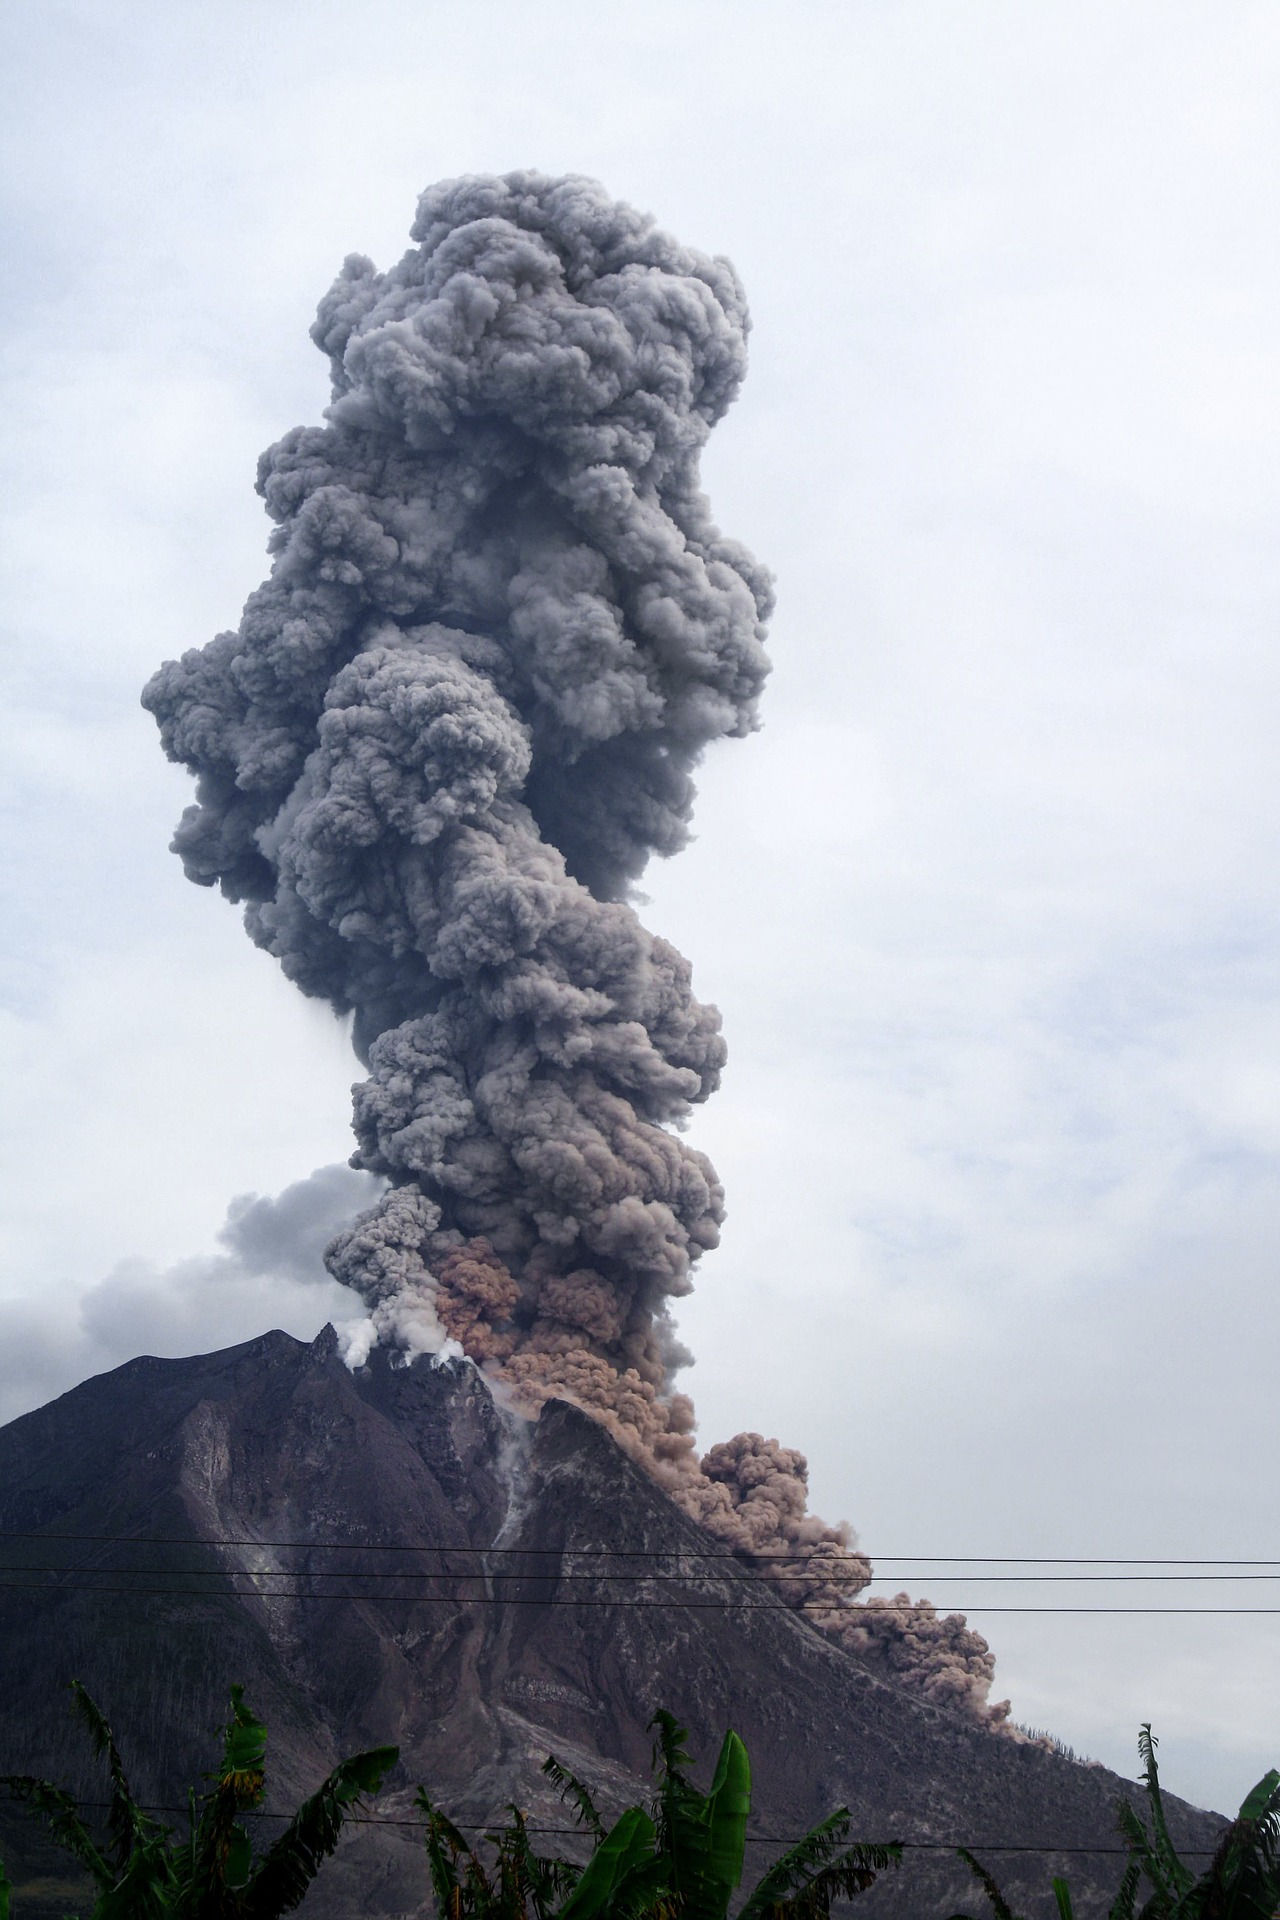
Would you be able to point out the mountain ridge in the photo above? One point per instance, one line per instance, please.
(318, 1490)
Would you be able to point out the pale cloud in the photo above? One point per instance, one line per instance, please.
(269, 1273)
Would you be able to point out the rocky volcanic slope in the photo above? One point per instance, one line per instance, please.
(276, 1441)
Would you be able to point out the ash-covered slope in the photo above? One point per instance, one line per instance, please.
(234, 1474)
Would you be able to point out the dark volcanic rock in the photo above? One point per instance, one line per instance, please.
(506, 1636)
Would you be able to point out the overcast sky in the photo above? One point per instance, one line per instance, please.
(990, 904)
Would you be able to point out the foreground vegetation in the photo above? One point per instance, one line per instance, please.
(141, 1872)
(683, 1858)
(680, 1858)
(1241, 1882)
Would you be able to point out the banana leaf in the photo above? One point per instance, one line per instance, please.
(624, 1850)
(292, 1862)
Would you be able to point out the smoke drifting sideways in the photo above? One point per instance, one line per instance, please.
(452, 728)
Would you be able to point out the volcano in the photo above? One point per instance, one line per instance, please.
(389, 1555)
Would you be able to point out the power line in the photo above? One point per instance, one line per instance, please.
(816, 1578)
(753, 1839)
(500, 1600)
(737, 1554)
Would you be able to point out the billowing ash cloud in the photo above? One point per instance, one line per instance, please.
(459, 717)
(450, 731)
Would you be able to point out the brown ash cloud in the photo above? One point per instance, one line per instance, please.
(453, 726)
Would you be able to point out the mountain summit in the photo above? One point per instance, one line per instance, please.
(390, 1556)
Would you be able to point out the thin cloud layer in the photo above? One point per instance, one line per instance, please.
(270, 1273)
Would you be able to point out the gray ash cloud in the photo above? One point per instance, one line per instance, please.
(463, 712)
(452, 728)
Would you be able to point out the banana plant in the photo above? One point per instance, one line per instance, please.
(1121, 1908)
(520, 1881)
(625, 1877)
(681, 1859)
(131, 1869)
(1241, 1882)
(822, 1866)
(702, 1841)
(618, 1879)
(701, 1837)
(141, 1872)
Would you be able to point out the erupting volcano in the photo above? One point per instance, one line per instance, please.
(452, 727)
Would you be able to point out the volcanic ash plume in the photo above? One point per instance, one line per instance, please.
(452, 727)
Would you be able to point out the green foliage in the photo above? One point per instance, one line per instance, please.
(575, 1794)
(128, 1828)
(701, 1836)
(820, 1868)
(520, 1881)
(1155, 1853)
(680, 1860)
(1242, 1881)
(999, 1905)
(60, 1814)
(622, 1875)
(615, 1880)
(292, 1861)
(702, 1841)
(143, 1873)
